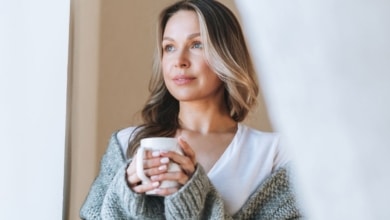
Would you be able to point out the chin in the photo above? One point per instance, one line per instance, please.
(182, 94)
(183, 99)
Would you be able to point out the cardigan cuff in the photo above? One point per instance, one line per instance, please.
(188, 202)
(136, 205)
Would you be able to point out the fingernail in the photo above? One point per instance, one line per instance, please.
(154, 178)
(155, 184)
(163, 167)
(155, 154)
(163, 153)
(164, 160)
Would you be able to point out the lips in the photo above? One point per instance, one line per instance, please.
(182, 80)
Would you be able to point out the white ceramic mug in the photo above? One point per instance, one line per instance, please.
(157, 144)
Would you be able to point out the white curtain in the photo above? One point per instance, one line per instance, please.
(33, 80)
(325, 69)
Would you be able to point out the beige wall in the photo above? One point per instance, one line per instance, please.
(84, 69)
(111, 55)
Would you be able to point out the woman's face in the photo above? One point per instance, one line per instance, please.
(187, 75)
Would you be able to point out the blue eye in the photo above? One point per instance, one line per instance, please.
(197, 45)
(169, 48)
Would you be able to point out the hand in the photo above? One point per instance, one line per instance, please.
(187, 162)
(153, 165)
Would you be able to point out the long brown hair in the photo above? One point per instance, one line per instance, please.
(227, 55)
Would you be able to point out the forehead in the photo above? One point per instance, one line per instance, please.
(183, 21)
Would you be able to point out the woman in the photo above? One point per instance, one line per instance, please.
(202, 88)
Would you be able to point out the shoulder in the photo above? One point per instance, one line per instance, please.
(264, 144)
(257, 136)
(123, 137)
(255, 140)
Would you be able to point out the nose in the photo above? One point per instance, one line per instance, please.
(182, 61)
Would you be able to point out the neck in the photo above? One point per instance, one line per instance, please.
(205, 118)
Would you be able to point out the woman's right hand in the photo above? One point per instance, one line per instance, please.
(154, 164)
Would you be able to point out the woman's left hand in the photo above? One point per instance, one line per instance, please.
(187, 162)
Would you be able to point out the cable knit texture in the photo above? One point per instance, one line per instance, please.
(111, 198)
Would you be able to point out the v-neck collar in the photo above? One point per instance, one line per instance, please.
(227, 151)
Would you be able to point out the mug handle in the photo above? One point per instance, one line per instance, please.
(140, 165)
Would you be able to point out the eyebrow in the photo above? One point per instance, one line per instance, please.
(189, 37)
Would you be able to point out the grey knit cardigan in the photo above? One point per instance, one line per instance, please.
(111, 198)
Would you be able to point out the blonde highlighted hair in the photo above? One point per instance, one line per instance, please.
(227, 55)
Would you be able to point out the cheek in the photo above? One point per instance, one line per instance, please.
(163, 63)
(165, 66)
(204, 66)
(165, 75)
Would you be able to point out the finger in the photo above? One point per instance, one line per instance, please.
(145, 187)
(187, 150)
(152, 154)
(155, 162)
(154, 171)
(166, 191)
(179, 177)
(184, 162)
(131, 174)
(133, 180)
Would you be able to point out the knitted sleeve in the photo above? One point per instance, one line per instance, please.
(274, 199)
(198, 199)
(111, 198)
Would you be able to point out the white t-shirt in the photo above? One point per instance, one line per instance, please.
(248, 160)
